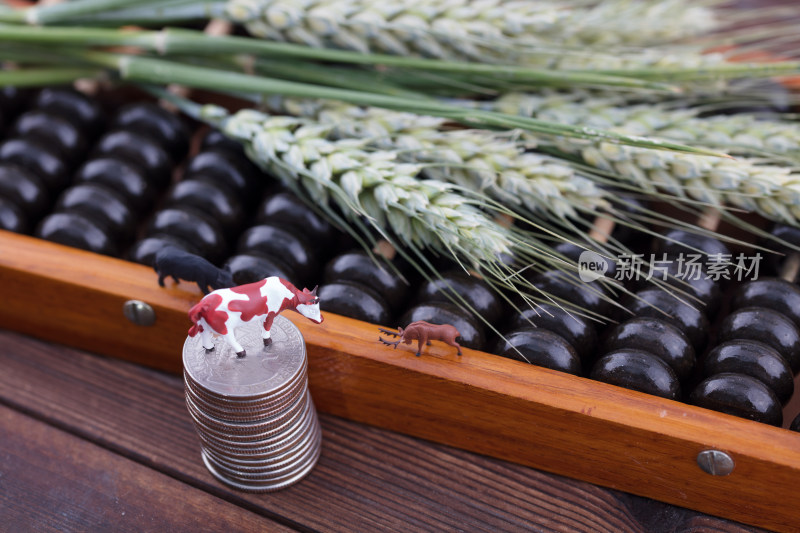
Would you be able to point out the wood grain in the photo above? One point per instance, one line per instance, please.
(483, 403)
(55, 481)
(367, 478)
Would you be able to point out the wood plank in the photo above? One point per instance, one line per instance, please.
(373, 479)
(510, 410)
(55, 481)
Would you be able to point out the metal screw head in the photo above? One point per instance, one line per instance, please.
(715, 462)
(139, 312)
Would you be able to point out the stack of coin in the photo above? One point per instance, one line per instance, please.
(254, 415)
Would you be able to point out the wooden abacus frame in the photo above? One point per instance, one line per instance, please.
(480, 402)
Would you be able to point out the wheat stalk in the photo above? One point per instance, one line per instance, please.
(484, 31)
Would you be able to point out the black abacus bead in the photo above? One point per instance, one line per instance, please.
(738, 395)
(754, 359)
(776, 294)
(214, 201)
(77, 231)
(190, 226)
(52, 130)
(249, 268)
(569, 287)
(788, 234)
(12, 218)
(155, 122)
(145, 250)
(697, 283)
(657, 337)
(216, 140)
(687, 243)
(471, 332)
(284, 208)
(767, 326)
(223, 169)
(354, 301)
(577, 331)
(286, 246)
(357, 267)
(138, 149)
(100, 204)
(477, 293)
(73, 106)
(13, 100)
(120, 176)
(637, 370)
(25, 189)
(656, 303)
(226, 170)
(37, 158)
(541, 348)
(795, 425)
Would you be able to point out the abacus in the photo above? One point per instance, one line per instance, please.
(77, 173)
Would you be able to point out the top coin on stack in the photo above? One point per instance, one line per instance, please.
(254, 415)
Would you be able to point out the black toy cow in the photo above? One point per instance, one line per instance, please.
(177, 263)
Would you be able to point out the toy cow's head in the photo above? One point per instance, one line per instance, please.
(308, 305)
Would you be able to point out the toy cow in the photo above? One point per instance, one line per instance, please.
(423, 332)
(177, 263)
(223, 310)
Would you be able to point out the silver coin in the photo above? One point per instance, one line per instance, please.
(279, 455)
(266, 398)
(264, 487)
(273, 467)
(247, 402)
(262, 371)
(270, 404)
(237, 415)
(281, 447)
(270, 473)
(277, 477)
(267, 448)
(237, 411)
(250, 432)
(264, 438)
(269, 418)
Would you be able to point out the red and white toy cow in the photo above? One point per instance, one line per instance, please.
(223, 310)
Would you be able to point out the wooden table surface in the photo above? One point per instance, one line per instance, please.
(89, 443)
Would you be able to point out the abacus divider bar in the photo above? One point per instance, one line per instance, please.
(601, 230)
(790, 267)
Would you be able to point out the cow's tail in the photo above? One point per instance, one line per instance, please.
(197, 312)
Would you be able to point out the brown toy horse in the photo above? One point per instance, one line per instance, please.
(423, 332)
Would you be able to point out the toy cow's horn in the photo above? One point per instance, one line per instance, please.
(314, 290)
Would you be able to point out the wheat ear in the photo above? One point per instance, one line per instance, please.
(488, 31)
(475, 159)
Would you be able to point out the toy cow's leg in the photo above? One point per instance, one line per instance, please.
(161, 279)
(267, 323)
(207, 338)
(457, 346)
(421, 339)
(203, 287)
(230, 338)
